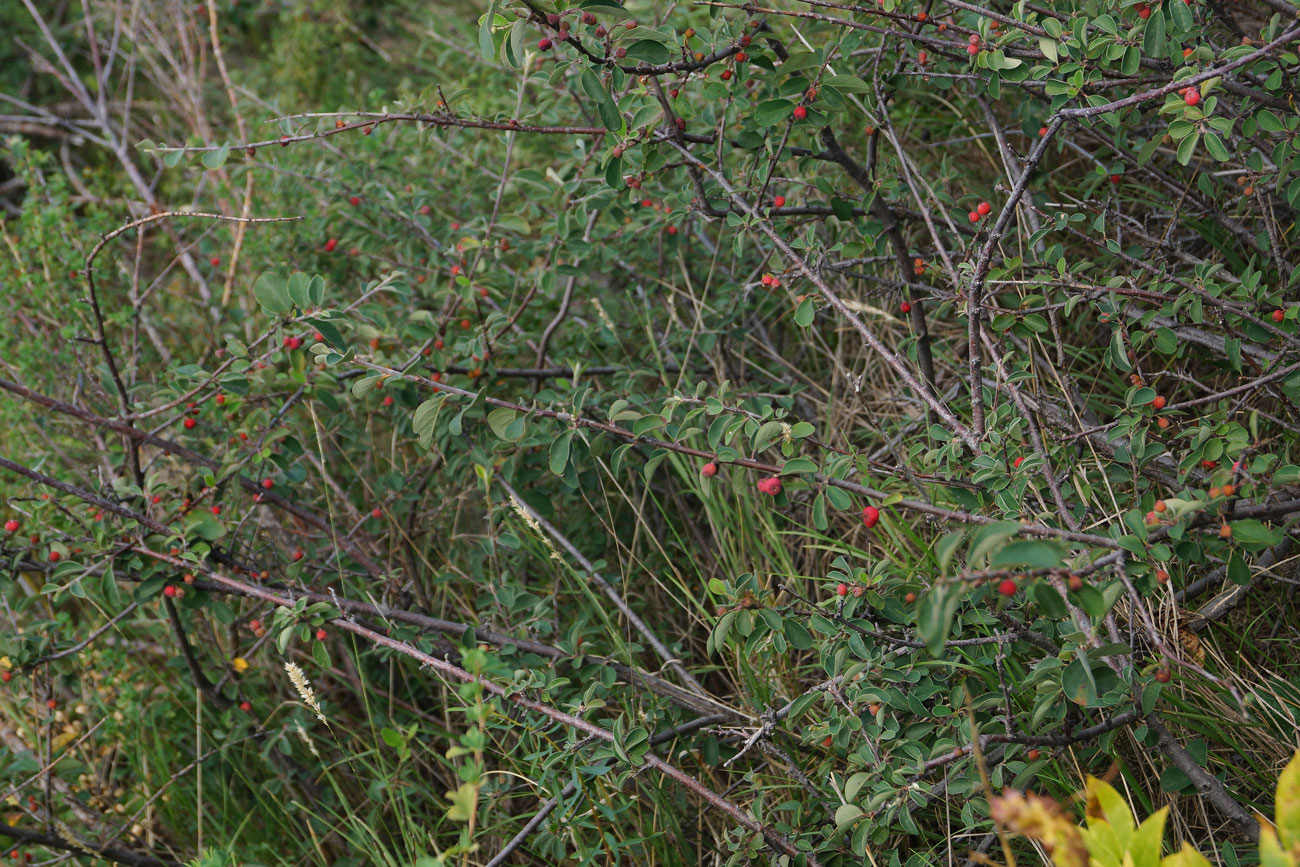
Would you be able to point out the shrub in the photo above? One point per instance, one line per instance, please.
(542, 431)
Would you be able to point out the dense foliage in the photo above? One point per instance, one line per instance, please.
(529, 432)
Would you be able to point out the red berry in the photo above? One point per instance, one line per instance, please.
(544, 44)
(870, 515)
(268, 484)
(464, 323)
(376, 512)
(672, 230)
(1163, 676)
(355, 200)
(709, 470)
(983, 209)
(1192, 97)
(321, 634)
(842, 589)
(216, 510)
(972, 49)
(921, 57)
(1042, 131)
(828, 741)
(1159, 402)
(1032, 755)
(221, 399)
(11, 526)
(215, 260)
(974, 216)
(909, 598)
(1162, 576)
(1114, 179)
(921, 16)
(169, 591)
(778, 202)
(1278, 315)
(189, 423)
(770, 486)
(245, 706)
(905, 307)
(1007, 587)
(297, 555)
(51, 704)
(800, 112)
(1144, 12)
(1018, 461)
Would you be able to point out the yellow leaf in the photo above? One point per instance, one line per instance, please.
(1146, 844)
(1187, 857)
(1271, 853)
(1106, 803)
(1288, 805)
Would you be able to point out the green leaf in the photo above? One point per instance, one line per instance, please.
(772, 111)
(605, 106)
(327, 330)
(934, 614)
(505, 423)
(1252, 533)
(1034, 553)
(299, 287)
(846, 814)
(1187, 147)
(272, 294)
(559, 454)
(803, 314)
(797, 634)
(1077, 682)
(204, 524)
(1214, 147)
(1153, 38)
(485, 46)
(216, 159)
(649, 51)
(988, 537)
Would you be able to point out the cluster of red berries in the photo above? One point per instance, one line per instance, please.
(770, 486)
(771, 281)
(982, 210)
(918, 266)
(292, 342)
(1144, 11)
(1190, 95)
(973, 45)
